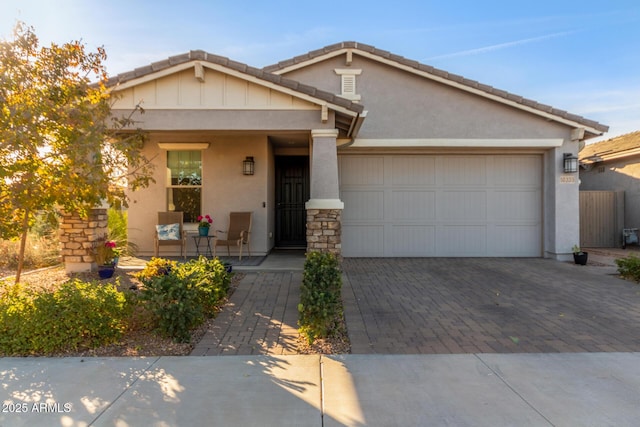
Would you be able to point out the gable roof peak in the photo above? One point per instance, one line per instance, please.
(591, 126)
(243, 69)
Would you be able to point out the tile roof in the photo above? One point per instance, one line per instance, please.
(472, 84)
(620, 146)
(200, 55)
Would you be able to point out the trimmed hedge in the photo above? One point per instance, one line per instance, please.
(320, 307)
(78, 315)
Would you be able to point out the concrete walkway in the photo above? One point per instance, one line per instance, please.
(570, 389)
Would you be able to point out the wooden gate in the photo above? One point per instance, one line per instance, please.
(601, 218)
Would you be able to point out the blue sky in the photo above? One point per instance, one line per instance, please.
(580, 56)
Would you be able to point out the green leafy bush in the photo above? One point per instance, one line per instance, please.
(181, 297)
(629, 267)
(320, 305)
(78, 315)
(156, 267)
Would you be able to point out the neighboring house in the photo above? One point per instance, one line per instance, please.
(356, 150)
(614, 165)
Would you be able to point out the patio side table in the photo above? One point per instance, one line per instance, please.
(208, 251)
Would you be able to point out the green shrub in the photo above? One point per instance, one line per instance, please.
(320, 305)
(629, 267)
(181, 297)
(209, 279)
(156, 267)
(78, 315)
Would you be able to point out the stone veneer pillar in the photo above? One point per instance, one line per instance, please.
(78, 237)
(324, 230)
(324, 209)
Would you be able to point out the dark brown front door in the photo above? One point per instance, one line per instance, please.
(292, 192)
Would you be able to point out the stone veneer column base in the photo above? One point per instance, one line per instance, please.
(324, 231)
(77, 239)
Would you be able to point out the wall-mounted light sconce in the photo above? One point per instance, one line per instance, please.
(570, 163)
(248, 166)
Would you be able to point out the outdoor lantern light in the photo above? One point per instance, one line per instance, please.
(570, 163)
(248, 166)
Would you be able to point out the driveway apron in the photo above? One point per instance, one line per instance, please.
(487, 305)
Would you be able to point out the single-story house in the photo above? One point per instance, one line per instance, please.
(614, 165)
(355, 150)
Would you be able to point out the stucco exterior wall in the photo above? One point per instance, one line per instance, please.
(402, 105)
(621, 175)
(224, 189)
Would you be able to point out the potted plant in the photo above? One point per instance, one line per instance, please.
(204, 223)
(579, 257)
(107, 256)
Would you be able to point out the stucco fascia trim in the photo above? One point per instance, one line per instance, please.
(457, 142)
(175, 146)
(314, 60)
(324, 204)
(152, 76)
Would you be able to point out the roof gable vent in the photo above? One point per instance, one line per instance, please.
(348, 84)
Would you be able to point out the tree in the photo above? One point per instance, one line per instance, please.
(60, 147)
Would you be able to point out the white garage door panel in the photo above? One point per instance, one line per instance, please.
(462, 240)
(441, 205)
(365, 205)
(463, 205)
(413, 205)
(366, 241)
(413, 171)
(513, 240)
(516, 206)
(407, 240)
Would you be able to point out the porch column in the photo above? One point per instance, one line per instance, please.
(324, 209)
(78, 237)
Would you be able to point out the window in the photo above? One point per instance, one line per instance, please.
(184, 183)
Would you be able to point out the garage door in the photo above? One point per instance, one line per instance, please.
(441, 205)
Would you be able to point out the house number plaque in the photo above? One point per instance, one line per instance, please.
(568, 179)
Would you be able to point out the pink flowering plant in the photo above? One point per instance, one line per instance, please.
(205, 221)
(107, 252)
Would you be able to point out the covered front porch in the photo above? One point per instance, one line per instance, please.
(205, 116)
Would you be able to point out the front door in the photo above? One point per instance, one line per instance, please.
(292, 192)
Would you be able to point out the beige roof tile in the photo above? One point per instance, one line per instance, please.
(620, 146)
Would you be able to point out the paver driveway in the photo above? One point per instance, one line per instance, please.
(442, 305)
(487, 305)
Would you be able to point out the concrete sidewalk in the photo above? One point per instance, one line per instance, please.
(571, 389)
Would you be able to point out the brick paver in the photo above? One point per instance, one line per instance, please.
(442, 305)
(260, 318)
(487, 305)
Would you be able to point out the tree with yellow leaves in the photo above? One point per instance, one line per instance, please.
(60, 146)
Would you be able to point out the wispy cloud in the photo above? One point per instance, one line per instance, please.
(501, 46)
